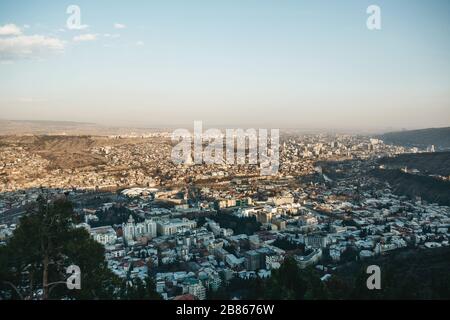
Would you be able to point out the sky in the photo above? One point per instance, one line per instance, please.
(260, 63)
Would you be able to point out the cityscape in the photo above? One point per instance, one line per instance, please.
(95, 203)
(195, 228)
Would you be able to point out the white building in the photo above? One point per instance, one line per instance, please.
(335, 255)
(174, 226)
(310, 259)
(104, 235)
(132, 230)
(197, 290)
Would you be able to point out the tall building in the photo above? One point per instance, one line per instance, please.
(132, 230)
(128, 229)
(252, 260)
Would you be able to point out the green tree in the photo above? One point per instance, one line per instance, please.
(34, 261)
(138, 289)
(287, 282)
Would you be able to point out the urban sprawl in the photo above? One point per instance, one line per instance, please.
(177, 216)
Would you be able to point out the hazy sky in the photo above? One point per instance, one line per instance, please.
(304, 64)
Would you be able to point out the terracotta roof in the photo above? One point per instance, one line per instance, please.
(185, 297)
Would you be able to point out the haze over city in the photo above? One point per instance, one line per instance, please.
(295, 64)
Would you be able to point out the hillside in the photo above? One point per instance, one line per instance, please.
(437, 163)
(439, 137)
(408, 274)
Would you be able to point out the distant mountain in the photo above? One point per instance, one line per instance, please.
(439, 137)
(49, 122)
(45, 127)
(11, 127)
